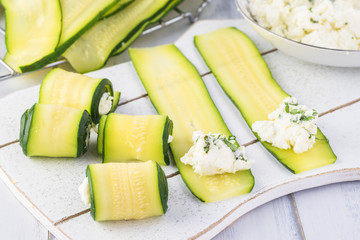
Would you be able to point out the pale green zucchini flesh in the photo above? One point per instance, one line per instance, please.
(120, 5)
(54, 131)
(116, 101)
(176, 89)
(61, 87)
(32, 30)
(121, 191)
(91, 51)
(143, 138)
(77, 18)
(243, 74)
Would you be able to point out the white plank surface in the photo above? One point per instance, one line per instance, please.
(335, 212)
(16, 222)
(271, 211)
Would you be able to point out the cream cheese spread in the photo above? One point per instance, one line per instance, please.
(290, 126)
(85, 192)
(215, 154)
(105, 103)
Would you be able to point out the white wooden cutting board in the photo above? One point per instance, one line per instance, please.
(47, 187)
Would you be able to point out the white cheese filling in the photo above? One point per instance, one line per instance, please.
(105, 103)
(85, 192)
(215, 154)
(170, 139)
(289, 126)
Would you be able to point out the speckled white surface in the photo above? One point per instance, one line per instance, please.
(51, 184)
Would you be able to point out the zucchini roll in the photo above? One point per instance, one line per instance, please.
(95, 95)
(117, 191)
(125, 138)
(54, 131)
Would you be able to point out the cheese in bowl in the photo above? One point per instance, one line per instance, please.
(324, 23)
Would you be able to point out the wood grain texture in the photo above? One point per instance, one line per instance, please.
(273, 220)
(16, 222)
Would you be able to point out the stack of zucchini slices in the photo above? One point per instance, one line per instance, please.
(85, 32)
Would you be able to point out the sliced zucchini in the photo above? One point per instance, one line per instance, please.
(54, 131)
(139, 31)
(127, 190)
(127, 138)
(100, 136)
(176, 89)
(115, 101)
(32, 30)
(91, 51)
(78, 17)
(60, 87)
(120, 5)
(243, 74)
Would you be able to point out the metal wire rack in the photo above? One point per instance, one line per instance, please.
(179, 16)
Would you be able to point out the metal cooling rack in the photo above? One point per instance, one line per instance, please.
(180, 15)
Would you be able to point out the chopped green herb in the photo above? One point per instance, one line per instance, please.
(297, 111)
(310, 9)
(313, 21)
(287, 108)
(346, 23)
(306, 118)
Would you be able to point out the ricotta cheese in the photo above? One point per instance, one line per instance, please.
(105, 103)
(215, 154)
(170, 139)
(324, 23)
(290, 126)
(85, 192)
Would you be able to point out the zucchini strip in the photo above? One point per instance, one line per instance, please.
(60, 87)
(78, 17)
(54, 131)
(120, 5)
(176, 89)
(114, 34)
(33, 30)
(244, 76)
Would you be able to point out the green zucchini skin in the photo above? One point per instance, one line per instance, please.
(116, 101)
(92, 194)
(26, 124)
(163, 187)
(64, 46)
(168, 129)
(320, 155)
(104, 86)
(83, 133)
(100, 137)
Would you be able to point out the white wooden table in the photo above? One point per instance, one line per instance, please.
(328, 212)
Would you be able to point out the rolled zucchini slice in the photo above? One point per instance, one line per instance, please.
(115, 101)
(54, 131)
(60, 87)
(127, 190)
(176, 89)
(127, 138)
(100, 136)
(33, 30)
(243, 74)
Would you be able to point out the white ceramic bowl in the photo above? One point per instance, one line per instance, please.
(306, 52)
